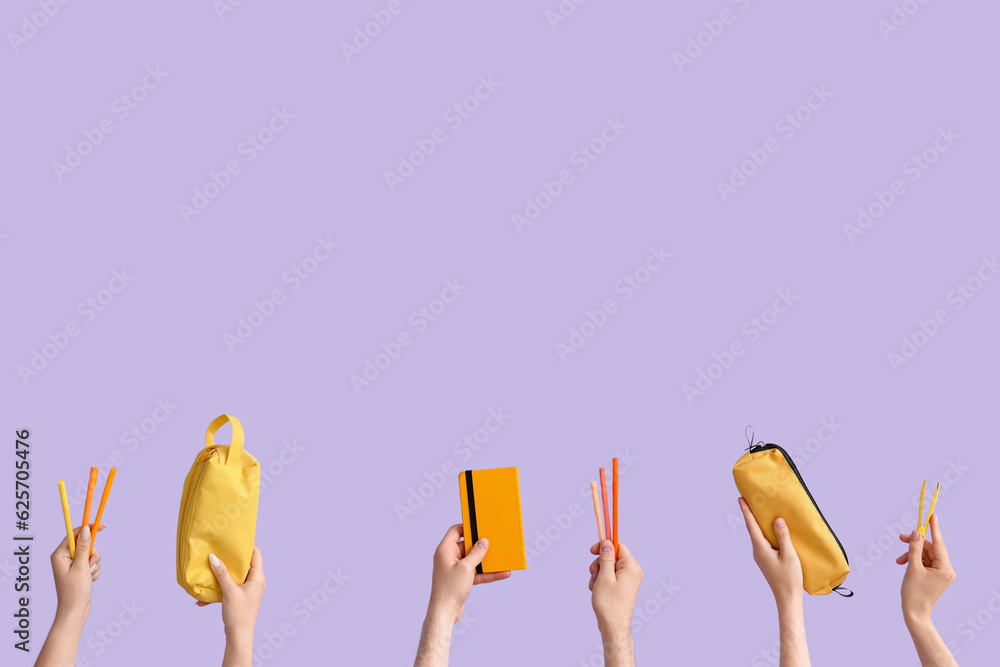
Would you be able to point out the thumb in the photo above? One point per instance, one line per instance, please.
(916, 551)
(477, 553)
(83, 541)
(784, 538)
(606, 558)
(221, 573)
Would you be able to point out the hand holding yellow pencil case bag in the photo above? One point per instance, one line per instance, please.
(218, 513)
(768, 480)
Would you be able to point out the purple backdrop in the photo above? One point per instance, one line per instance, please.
(785, 207)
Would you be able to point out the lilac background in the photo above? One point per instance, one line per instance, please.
(333, 506)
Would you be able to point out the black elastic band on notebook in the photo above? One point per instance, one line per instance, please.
(839, 591)
(473, 528)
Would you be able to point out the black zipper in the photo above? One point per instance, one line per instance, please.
(791, 464)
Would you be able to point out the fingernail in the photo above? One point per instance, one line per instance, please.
(607, 547)
(85, 533)
(915, 535)
(93, 568)
(779, 523)
(214, 560)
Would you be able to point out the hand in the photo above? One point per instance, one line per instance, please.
(240, 604)
(615, 585)
(75, 577)
(455, 573)
(928, 573)
(780, 567)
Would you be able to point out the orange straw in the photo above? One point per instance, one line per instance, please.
(604, 498)
(597, 512)
(614, 491)
(90, 496)
(100, 509)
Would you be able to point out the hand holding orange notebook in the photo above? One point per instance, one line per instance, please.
(491, 508)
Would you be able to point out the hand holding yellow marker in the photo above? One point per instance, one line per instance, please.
(921, 524)
(69, 522)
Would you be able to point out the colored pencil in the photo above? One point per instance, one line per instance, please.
(91, 485)
(100, 509)
(920, 515)
(614, 493)
(597, 512)
(933, 503)
(69, 522)
(604, 499)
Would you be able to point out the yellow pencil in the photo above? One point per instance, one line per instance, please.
(920, 516)
(933, 503)
(597, 512)
(100, 509)
(69, 521)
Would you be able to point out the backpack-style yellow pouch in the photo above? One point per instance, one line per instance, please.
(218, 513)
(768, 480)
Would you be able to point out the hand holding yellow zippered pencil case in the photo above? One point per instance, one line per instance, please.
(218, 513)
(771, 485)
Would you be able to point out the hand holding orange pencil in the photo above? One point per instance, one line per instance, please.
(607, 530)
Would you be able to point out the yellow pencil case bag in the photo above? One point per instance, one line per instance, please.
(218, 513)
(771, 485)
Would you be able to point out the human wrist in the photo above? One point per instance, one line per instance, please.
(71, 617)
(789, 604)
(239, 636)
(614, 629)
(917, 619)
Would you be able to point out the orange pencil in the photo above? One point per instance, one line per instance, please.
(100, 509)
(90, 496)
(604, 498)
(597, 512)
(614, 492)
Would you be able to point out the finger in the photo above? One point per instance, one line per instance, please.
(96, 558)
(490, 577)
(95, 572)
(915, 553)
(256, 572)
(221, 573)
(625, 558)
(904, 537)
(756, 536)
(454, 534)
(940, 551)
(477, 553)
(591, 584)
(785, 545)
(83, 548)
(606, 560)
(901, 560)
(202, 604)
(595, 567)
(595, 548)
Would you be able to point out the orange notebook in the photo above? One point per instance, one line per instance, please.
(491, 508)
